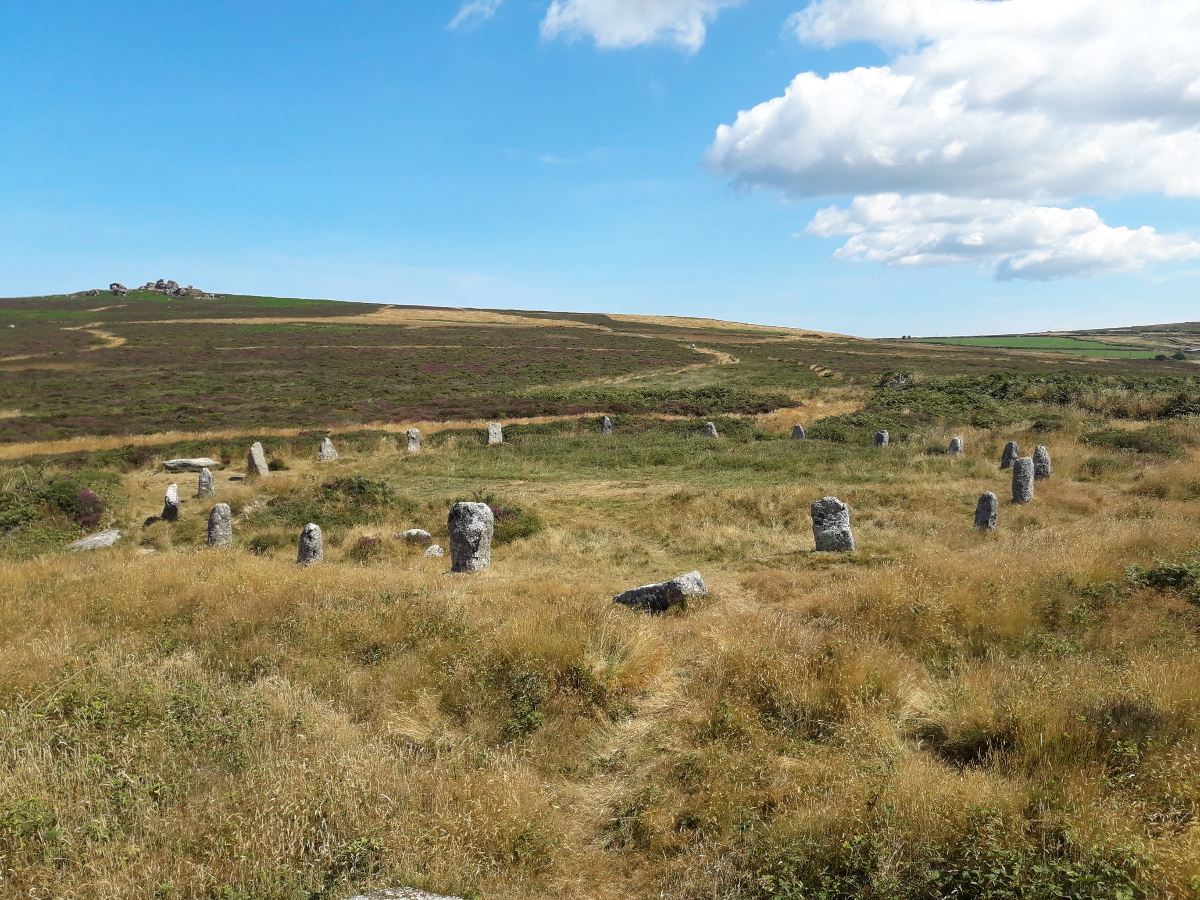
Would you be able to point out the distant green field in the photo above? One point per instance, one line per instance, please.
(1048, 342)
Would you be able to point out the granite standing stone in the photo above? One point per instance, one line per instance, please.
(710, 430)
(1041, 462)
(96, 541)
(956, 447)
(495, 433)
(1022, 481)
(256, 461)
(170, 511)
(327, 450)
(606, 425)
(312, 545)
(797, 432)
(882, 438)
(659, 597)
(414, 440)
(831, 524)
(220, 526)
(471, 526)
(1011, 452)
(986, 511)
(205, 486)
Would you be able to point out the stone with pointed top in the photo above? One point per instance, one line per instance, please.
(205, 485)
(327, 450)
(710, 430)
(956, 447)
(414, 440)
(1011, 452)
(606, 425)
(256, 461)
(831, 525)
(882, 438)
(1022, 479)
(170, 511)
(798, 432)
(1041, 462)
(986, 511)
(656, 598)
(495, 434)
(220, 526)
(312, 545)
(471, 527)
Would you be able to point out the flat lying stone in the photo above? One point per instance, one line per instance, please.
(659, 597)
(434, 550)
(416, 535)
(401, 893)
(200, 462)
(831, 525)
(326, 450)
(96, 541)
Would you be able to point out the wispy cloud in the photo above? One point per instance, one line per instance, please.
(475, 11)
(630, 23)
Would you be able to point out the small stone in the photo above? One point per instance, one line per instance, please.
(205, 486)
(170, 511)
(606, 425)
(1011, 452)
(414, 440)
(656, 598)
(434, 550)
(199, 462)
(798, 432)
(256, 461)
(96, 541)
(1041, 462)
(495, 436)
(401, 893)
(220, 526)
(956, 447)
(1022, 479)
(471, 527)
(327, 450)
(416, 536)
(882, 438)
(710, 430)
(986, 511)
(831, 525)
(312, 545)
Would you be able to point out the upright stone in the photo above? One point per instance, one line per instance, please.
(312, 545)
(414, 440)
(495, 434)
(986, 511)
(710, 430)
(797, 432)
(882, 438)
(205, 486)
(1022, 482)
(471, 526)
(256, 461)
(1011, 452)
(327, 450)
(220, 526)
(956, 447)
(1041, 462)
(606, 425)
(831, 524)
(170, 511)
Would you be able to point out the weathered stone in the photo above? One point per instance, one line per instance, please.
(1041, 462)
(1022, 479)
(256, 461)
(606, 425)
(656, 598)
(434, 550)
(170, 511)
(882, 438)
(956, 447)
(117, 288)
(326, 451)
(710, 430)
(798, 432)
(986, 511)
(1011, 452)
(831, 524)
(414, 440)
(220, 526)
(495, 436)
(312, 545)
(96, 541)
(199, 462)
(401, 893)
(416, 536)
(205, 486)
(471, 526)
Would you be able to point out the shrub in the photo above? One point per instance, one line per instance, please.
(366, 550)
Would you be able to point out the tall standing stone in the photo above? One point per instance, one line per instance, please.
(956, 447)
(495, 433)
(327, 450)
(986, 511)
(220, 526)
(710, 430)
(1041, 462)
(256, 461)
(1011, 452)
(606, 425)
(170, 511)
(312, 545)
(797, 432)
(414, 440)
(882, 438)
(471, 526)
(1022, 481)
(205, 486)
(831, 524)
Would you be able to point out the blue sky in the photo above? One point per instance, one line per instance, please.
(367, 151)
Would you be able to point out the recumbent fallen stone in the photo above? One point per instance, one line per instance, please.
(220, 527)
(1022, 479)
(986, 511)
(96, 541)
(831, 525)
(471, 526)
(659, 597)
(199, 462)
(312, 545)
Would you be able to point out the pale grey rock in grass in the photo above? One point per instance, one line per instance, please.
(117, 288)
(986, 511)
(401, 893)
(327, 450)
(1022, 480)
(414, 440)
(170, 511)
(256, 461)
(831, 525)
(471, 527)
(434, 550)
(199, 462)
(956, 447)
(1011, 452)
(659, 597)
(1041, 462)
(96, 541)
(710, 430)
(882, 438)
(312, 545)
(220, 526)
(205, 486)
(798, 432)
(416, 536)
(495, 433)
(606, 425)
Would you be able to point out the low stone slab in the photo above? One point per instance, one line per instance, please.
(416, 536)
(326, 450)
(200, 462)
(659, 597)
(401, 893)
(96, 541)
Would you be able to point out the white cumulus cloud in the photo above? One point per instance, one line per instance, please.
(629, 23)
(1024, 101)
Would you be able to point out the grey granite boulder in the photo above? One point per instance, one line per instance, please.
(710, 430)
(1011, 452)
(986, 511)
(256, 461)
(495, 433)
(312, 545)
(220, 526)
(199, 462)
(956, 447)
(416, 536)
(659, 597)
(471, 527)
(831, 525)
(401, 893)
(434, 550)
(882, 438)
(606, 425)
(170, 511)
(1022, 479)
(1041, 462)
(327, 450)
(96, 541)
(205, 486)
(119, 289)
(797, 432)
(414, 440)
